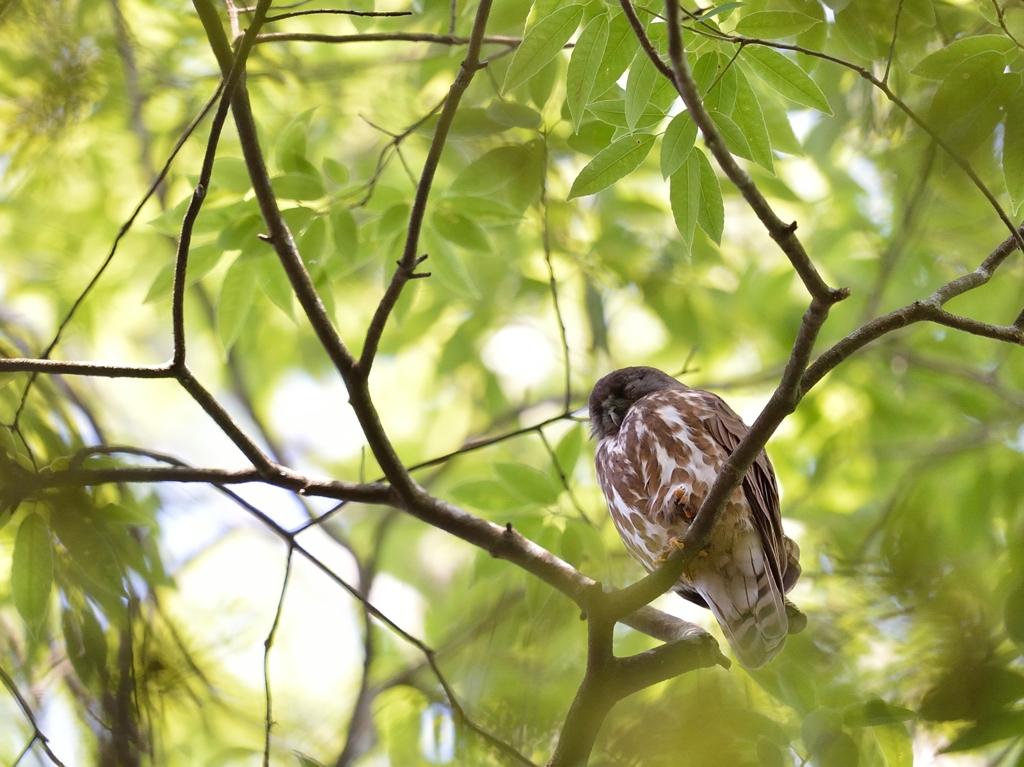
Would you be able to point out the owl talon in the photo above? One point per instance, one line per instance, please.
(682, 501)
(675, 543)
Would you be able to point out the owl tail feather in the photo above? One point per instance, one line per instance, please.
(749, 607)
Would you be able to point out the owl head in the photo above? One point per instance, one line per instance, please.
(615, 394)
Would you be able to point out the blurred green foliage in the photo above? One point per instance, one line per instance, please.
(902, 471)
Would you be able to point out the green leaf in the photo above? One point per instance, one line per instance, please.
(306, 761)
(940, 64)
(677, 143)
(312, 243)
(231, 174)
(775, 24)
(719, 10)
(235, 301)
(291, 141)
(274, 283)
(874, 712)
(493, 172)
(620, 49)
(734, 138)
(201, 260)
(469, 123)
(584, 67)
(335, 171)
(85, 641)
(969, 103)
(1009, 724)
(298, 218)
(131, 514)
(716, 80)
(513, 115)
(240, 232)
(446, 265)
(345, 232)
(486, 495)
(32, 570)
(88, 541)
(621, 158)
(785, 77)
(776, 120)
(684, 197)
(528, 483)
(1013, 611)
(570, 545)
(797, 688)
(613, 112)
(972, 692)
(749, 119)
(394, 220)
(894, 744)
(455, 227)
(819, 727)
(298, 186)
(769, 754)
(639, 86)
(567, 451)
(711, 212)
(541, 44)
(482, 210)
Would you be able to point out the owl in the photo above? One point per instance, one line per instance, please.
(660, 447)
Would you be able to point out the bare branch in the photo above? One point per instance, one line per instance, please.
(267, 644)
(96, 369)
(410, 259)
(37, 734)
(328, 11)
(784, 234)
(383, 37)
(960, 161)
(546, 240)
(892, 44)
(125, 228)
(280, 236)
(232, 78)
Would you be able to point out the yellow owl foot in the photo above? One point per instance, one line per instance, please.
(681, 499)
(675, 543)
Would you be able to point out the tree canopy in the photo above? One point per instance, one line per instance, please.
(301, 308)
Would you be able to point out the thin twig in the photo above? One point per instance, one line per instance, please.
(892, 44)
(231, 82)
(411, 259)
(125, 227)
(37, 734)
(546, 240)
(279, 234)
(328, 11)
(267, 644)
(384, 37)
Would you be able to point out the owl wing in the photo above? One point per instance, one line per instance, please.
(759, 485)
(757, 565)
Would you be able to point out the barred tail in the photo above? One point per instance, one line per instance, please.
(747, 603)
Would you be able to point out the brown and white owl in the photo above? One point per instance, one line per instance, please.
(660, 447)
